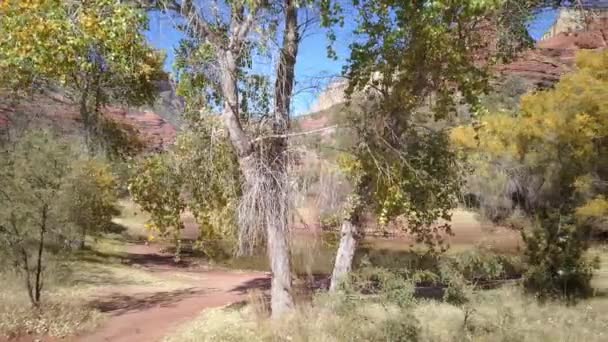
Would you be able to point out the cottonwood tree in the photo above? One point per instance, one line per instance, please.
(417, 63)
(224, 38)
(93, 51)
(414, 65)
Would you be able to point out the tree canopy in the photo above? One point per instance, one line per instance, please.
(93, 52)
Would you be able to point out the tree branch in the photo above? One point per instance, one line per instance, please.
(289, 135)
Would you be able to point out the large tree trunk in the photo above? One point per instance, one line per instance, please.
(349, 240)
(280, 256)
(269, 167)
(277, 228)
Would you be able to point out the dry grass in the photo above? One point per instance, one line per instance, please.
(498, 315)
(508, 315)
(468, 232)
(504, 314)
(58, 316)
(75, 281)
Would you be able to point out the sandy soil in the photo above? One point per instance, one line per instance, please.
(149, 316)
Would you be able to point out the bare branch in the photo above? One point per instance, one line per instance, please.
(242, 27)
(197, 24)
(297, 134)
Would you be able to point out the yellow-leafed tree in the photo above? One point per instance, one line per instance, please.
(550, 161)
(93, 50)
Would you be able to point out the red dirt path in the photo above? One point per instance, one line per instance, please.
(150, 316)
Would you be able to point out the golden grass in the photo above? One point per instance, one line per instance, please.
(72, 283)
(499, 315)
(504, 314)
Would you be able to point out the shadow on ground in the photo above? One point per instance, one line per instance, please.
(153, 260)
(118, 304)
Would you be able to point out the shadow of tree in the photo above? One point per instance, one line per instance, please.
(154, 260)
(118, 304)
(116, 228)
(261, 283)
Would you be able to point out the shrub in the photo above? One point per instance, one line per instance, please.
(46, 191)
(90, 197)
(388, 286)
(330, 222)
(557, 266)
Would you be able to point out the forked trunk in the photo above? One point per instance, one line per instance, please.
(349, 238)
(274, 158)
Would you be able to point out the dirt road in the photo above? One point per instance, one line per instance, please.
(149, 316)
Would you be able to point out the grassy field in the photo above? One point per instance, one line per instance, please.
(71, 287)
(503, 314)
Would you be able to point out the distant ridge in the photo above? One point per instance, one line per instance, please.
(585, 15)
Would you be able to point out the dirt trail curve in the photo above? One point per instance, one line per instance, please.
(150, 316)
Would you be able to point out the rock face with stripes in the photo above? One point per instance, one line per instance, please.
(554, 55)
(155, 131)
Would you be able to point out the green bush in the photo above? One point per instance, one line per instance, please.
(389, 287)
(90, 197)
(400, 328)
(557, 265)
(330, 222)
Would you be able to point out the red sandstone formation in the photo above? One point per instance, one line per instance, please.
(555, 56)
(41, 111)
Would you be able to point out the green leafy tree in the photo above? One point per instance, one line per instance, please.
(157, 187)
(200, 174)
(413, 68)
(94, 50)
(91, 197)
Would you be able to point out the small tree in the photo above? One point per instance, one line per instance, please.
(557, 264)
(32, 219)
(91, 197)
(50, 197)
(199, 173)
(157, 187)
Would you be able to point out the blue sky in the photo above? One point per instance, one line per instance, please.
(313, 67)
